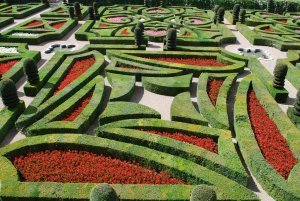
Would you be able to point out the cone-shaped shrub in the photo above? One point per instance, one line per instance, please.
(31, 71)
(243, 16)
(216, 8)
(161, 3)
(65, 2)
(146, 4)
(297, 105)
(171, 39)
(71, 12)
(169, 26)
(235, 13)
(45, 2)
(91, 13)
(280, 72)
(95, 7)
(221, 13)
(270, 6)
(140, 25)
(103, 192)
(8, 93)
(203, 193)
(77, 10)
(138, 35)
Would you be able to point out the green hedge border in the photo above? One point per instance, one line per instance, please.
(52, 12)
(32, 8)
(4, 21)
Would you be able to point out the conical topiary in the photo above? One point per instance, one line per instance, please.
(146, 4)
(31, 71)
(77, 10)
(221, 13)
(95, 7)
(170, 26)
(203, 193)
(235, 13)
(243, 16)
(297, 105)
(270, 6)
(103, 192)
(45, 2)
(91, 13)
(71, 12)
(280, 72)
(216, 8)
(161, 3)
(171, 39)
(140, 25)
(8, 93)
(138, 35)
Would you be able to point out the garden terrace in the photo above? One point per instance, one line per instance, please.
(63, 12)
(22, 10)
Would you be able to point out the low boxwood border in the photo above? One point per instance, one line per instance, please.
(52, 12)
(4, 21)
(269, 178)
(32, 8)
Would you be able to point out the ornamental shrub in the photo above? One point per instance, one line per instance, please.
(171, 39)
(138, 35)
(146, 4)
(71, 12)
(91, 13)
(243, 16)
(297, 105)
(141, 26)
(216, 8)
(270, 6)
(221, 13)
(203, 193)
(235, 13)
(95, 7)
(169, 26)
(65, 2)
(31, 71)
(161, 3)
(77, 10)
(8, 93)
(280, 72)
(103, 192)
(45, 2)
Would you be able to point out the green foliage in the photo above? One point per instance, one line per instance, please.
(91, 13)
(220, 15)
(243, 16)
(103, 192)
(95, 7)
(71, 12)
(270, 6)
(216, 8)
(138, 35)
(169, 26)
(31, 71)
(8, 93)
(77, 10)
(235, 13)
(161, 3)
(171, 39)
(141, 26)
(203, 193)
(280, 72)
(297, 105)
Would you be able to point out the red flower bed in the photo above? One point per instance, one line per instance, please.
(86, 167)
(34, 23)
(102, 25)
(269, 30)
(133, 8)
(187, 34)
(124, 32)
(79, 67)
(273, 145)
(5, 66)
(191, 61)
(213, 88)
(61, 11)
(206, 143)
(283, 21)
(58, 25)
(77, 111)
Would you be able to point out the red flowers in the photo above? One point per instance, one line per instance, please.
(213, 88)
(75, 113)
(206, 143)
(82, 166)
(187, 34)
(34, 23)
(124, 32)
(273, 145)
(102, 25)
(269, 30)
(5, 66)
(191, 61)
(58, 25)
(79, 67)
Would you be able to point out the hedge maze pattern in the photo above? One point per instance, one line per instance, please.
(98, 82)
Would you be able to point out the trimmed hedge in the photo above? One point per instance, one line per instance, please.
(116, 111)
(178, 167)
(170, 86)
(16, 72)
(22, 11)
(268, 177)
(53, 12)
(4, 21)
(122, 86)
(49, 33)
(217, 116)
(51, 76)
(52, 123)
(189, 114)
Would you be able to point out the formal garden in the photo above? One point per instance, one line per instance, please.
(149, 100)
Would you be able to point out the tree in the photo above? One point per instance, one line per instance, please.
(216, 8)
(270, 6)
(8, 93)
(91, 13)
(139, 37)
(221, 13)
(243, 16)
(31, 71)
(280, 72)
(95, 6)
(171, 39)
(77, 10)
(71, 12)
(235, 13)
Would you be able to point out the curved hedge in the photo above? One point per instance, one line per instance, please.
(268, 177)
(21, 11)
(62, 12)
(4, 21)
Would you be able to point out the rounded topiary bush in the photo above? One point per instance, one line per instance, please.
(91, 13)
(31, 71)
(243, 16)
(221, 13)
(297, 105)
(138, 35)
(8, 93)
(203, 193)
(103, 192)
(280, 72)
(235, 13)
(171, 39)
(71, 12)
